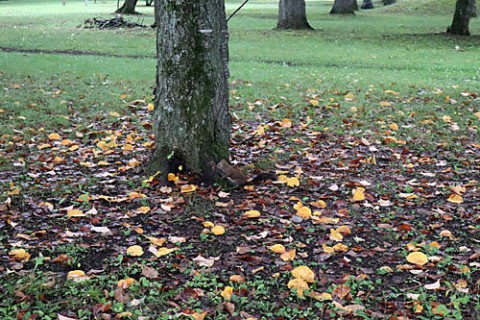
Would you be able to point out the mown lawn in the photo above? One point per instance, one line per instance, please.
(371, 122)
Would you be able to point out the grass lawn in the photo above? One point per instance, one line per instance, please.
(371, 121)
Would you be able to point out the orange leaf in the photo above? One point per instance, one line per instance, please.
(188, 188)
(298, 284)
(304, 273)
(335, 235)
(54, 136)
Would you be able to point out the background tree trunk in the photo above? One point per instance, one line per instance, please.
(191, 120)
(464, 10)
(292, 15)
(388, 2)
(367, 4)
(128, 7)
(344, 7)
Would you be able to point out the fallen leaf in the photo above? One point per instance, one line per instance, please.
(251, 214)
(227, 293)
(135, 251)
(278, 248)
(218, 230)
(358, 194)
(418, 258)
(288, 255)
(19, 255)
(304, 273)
(298, 284)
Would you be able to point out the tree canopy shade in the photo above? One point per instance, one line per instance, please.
(191, 119)
(292, 15)
(464, 10)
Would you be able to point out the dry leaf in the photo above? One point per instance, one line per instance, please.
(251, 214)
(304, 273)
(298, 284)
(218, 230)
(418, 258)
(227, 293)
(134, 251)
(289, 255)
(278, 248)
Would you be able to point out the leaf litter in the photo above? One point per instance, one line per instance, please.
(362, 221)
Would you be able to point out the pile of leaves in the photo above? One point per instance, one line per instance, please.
(113, 23)
(364, 222)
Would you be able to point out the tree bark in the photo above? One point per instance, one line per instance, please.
(128, 7)
(191, 120)
(367, 4)
(344, 7)
(389, 2)
(292, 15)
(464, 10)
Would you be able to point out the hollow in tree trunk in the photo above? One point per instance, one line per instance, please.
(191, 119)
(128, 7)
(344, 7)
(464, 10)
(292, 15)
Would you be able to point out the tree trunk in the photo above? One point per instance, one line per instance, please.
(292, 15)
(464, 10)
(367, 4)
(388, 2)
(128, 7)
(343, 7)
(191, 121)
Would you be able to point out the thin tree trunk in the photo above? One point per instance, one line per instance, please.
(464, 10)
(292, 15)
(128, 7)
(344, 7)
(191, 120)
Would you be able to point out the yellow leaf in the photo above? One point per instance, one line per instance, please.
(344, 230)
(393, 126)
(304, 212)
(327, 249)
(157, 241)
(198, 315)
(455, 198)
(188, 188)
(391, 92)
(19, 255)
(389, 139)
(172, 177)
(237, 278)
(320, 204)
(288, 255)
(446, 233)
(313, 102)
(164, 251)
(304, 273)
(103, 163)
(418, 258)
(227, 293)
(127, 147)
(298, 284)
(218, 230)
(335, 235)
(320, 296)
(14, 191)
(151, 107)
(293, 182)
(208, 224)
(286, 123)
(66, 142)
(74, 213)
(278, 248)
(77, 275)
(54, 136)
(74, 147)
(251, 214)
(340, 247)
(125, 283)
(143, 209)
(358, 194)
(135, 251)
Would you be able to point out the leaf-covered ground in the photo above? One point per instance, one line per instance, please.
(376, 214)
